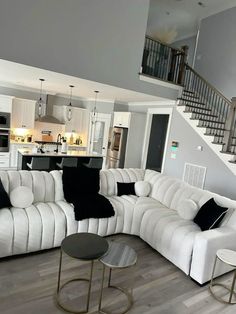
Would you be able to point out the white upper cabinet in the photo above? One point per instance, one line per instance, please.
(6, 103)
(121, 119)
(79, 122)
(23, 113)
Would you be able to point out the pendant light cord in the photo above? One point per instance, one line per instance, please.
(95, 105)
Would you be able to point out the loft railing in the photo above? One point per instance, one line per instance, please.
(221, 119)
(163, 61)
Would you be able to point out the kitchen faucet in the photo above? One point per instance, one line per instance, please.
(59, 138)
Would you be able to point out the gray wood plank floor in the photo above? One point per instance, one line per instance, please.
(28, 284)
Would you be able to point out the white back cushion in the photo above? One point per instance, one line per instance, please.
(41, 183)
(109, 178)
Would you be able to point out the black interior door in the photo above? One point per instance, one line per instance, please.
(157, 141)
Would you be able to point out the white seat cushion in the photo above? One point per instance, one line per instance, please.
(170, 235)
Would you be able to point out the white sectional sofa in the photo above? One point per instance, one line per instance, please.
(153, 218)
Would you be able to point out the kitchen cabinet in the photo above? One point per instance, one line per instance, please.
(4, 160)
(79, 122)
(14, 152)
(23, 113)
(121, 119)
(6, 103)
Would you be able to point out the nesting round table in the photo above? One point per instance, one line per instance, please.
(227, 257)
(85, 247)
(118, 256)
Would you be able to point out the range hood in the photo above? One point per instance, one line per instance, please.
(48, 117)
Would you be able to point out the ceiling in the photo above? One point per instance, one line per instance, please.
(182, 17)
(25, 77)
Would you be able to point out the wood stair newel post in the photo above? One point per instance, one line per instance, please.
(229, 126)
(182, 65)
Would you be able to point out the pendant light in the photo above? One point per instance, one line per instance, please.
(40, 101)
(95, 112)
(69, 107)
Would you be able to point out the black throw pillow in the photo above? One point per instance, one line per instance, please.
(210, 215)
(4, 197)
(125, 188)
(92, 206)
(79, 181)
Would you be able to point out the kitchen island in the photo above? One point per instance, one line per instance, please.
(56, 160)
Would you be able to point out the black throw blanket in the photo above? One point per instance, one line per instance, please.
(92, 206)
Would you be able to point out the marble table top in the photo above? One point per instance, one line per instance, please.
(227, 256)
(119, 255)
(70, 153)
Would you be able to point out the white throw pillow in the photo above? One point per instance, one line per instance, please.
(21, 197)
(187, 209)
(142, 188)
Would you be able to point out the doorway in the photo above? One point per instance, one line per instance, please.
(156, 138)
(157, 141)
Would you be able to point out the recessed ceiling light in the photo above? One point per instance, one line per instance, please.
(201, 4)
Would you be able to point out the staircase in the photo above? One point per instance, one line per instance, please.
(210, 114)
(208, 111)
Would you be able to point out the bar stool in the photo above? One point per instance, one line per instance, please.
(228, 257)
(68, 162)
(39, 163)
(94, 162)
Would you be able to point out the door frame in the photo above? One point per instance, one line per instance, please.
(150, 113)
(104, 117)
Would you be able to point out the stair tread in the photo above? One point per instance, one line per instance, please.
(192, 106)
(190, 95)
(213, 128)
(228, 153)
(213, 135)
(192, 101)
(233, 145)
(188, 91)
(209, 127)
(218, 143)
(202, 114)
(212, 121)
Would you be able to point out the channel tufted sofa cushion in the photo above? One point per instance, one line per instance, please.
(154, 218)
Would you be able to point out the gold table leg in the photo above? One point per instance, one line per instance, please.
(59, 288)
(128, 295)
(230, 289)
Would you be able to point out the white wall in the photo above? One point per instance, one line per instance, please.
(96, 40)
(215, 57)
(219, 178)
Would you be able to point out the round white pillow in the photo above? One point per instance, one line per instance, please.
(142, 188)
(187, 209)
(21, 197)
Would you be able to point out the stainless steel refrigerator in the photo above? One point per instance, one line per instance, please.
(116, 147)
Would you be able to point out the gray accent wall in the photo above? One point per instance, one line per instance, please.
(216, 51)
(96, 40)
(219, 178)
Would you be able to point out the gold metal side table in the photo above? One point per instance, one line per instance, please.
(118, 256)
(228, 257)
(85, 247)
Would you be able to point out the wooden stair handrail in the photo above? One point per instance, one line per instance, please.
(209, 84)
